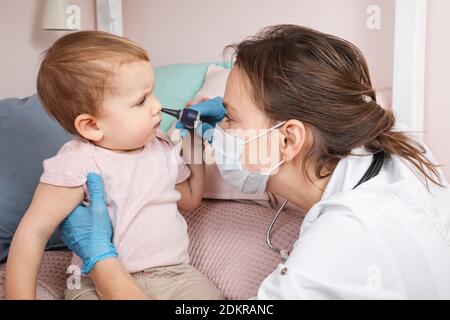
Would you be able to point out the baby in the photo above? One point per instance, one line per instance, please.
(99, 88)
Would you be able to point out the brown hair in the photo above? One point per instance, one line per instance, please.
(75, 73)
(298, 73)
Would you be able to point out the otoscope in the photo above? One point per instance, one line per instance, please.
(189, 117)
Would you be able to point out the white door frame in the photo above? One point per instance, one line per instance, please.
(409, 63)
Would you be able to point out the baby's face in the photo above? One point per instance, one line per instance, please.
(130, 115)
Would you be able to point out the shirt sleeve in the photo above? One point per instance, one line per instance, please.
(183, 173)
(337, 257)
(68, 167)
(183, 170)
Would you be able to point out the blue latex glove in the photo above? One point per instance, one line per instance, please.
(212, 111)
(87, 231)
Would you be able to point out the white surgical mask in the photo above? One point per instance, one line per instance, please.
(229, 164)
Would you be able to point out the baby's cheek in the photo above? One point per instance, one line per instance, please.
(141, 129)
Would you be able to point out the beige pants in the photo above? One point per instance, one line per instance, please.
(178, 282)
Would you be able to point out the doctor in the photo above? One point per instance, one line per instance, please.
(378, 209)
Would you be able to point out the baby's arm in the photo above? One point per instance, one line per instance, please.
(49, 207)
(192, 188)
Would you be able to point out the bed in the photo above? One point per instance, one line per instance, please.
(227, 244)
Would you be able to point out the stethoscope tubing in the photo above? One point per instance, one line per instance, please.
(372, 171)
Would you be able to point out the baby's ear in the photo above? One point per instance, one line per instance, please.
(88, 128)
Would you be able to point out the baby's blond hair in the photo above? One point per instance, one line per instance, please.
(73, 76)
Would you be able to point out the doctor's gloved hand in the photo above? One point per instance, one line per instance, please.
(212, 111)
(87, 231)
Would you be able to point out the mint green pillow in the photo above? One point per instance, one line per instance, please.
(177, 84)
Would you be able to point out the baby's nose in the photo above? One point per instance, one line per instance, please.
(156, 109)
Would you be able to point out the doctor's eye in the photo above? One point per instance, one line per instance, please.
(228, 117)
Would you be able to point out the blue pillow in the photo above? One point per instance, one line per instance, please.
(28, 136)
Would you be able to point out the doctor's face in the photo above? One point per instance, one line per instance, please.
(246, 120)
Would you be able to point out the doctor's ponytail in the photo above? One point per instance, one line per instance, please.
(298, 73)
(400, 144)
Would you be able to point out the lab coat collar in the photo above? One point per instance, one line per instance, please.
(348, 172)
(346, 175)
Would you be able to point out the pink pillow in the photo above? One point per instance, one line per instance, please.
(214, 83)
(228, 243)
(51, 281)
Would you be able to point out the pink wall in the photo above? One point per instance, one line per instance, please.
(22, 41)
(437, 82)
(176, 31)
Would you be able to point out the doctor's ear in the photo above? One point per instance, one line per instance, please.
(87, 126)
(293, 137)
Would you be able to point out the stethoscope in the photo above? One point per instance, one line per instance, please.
(372, 171)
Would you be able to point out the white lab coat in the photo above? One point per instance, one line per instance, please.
(387, 239)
